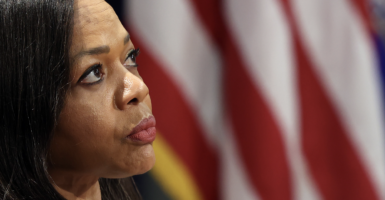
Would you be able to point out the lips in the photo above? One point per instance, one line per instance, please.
(144, 132)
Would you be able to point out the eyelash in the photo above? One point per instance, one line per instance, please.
(133, 54)
(89, 71)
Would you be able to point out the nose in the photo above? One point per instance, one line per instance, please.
(132, 92)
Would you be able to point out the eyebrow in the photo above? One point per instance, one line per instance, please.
(100, 49)
(93, 51)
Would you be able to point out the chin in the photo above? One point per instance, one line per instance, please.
(139, 162)
(146, 167)
(147, 161)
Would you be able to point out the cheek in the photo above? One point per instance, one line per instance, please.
(83, 137)
(87, 121)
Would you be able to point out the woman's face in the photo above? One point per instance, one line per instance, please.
(106, 102)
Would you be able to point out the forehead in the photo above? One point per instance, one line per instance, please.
(95, 24)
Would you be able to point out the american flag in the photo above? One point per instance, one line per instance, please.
(262, 99)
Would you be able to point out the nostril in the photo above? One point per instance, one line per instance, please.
(133, 101)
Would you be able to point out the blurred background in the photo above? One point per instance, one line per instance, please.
(263, 99)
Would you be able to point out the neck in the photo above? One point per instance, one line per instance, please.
(75, 186)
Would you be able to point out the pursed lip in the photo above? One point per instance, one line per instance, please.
(144, 132)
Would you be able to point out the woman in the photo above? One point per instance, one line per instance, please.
(75, 114)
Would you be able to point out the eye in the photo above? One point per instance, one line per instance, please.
(131, 58)
(92, 75)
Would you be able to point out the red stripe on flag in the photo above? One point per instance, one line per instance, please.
(258, 136)
(333, 161)
(178, 124)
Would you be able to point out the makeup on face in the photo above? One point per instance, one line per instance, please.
(144, 132)
(106, 127)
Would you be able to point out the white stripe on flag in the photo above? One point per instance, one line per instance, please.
(264, 38)
(344, 59)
